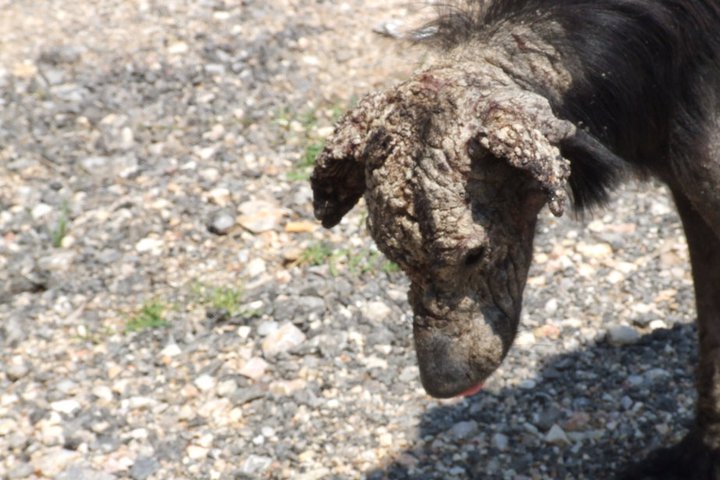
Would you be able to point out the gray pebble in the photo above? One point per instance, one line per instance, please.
(17, 370)
(655, 374)
(12, 331)
(500, 441)
(144, 467)
(463, 430)
(620, 335)
(308, 305)
(547, 418)
(221, 222)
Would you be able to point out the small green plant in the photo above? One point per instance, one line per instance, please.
(390, 267)
(61, 227)
(356, 261)
(226, 299)
(309, 120)
(150, 316)
(317, 254)
(223, 302)
(301, 171)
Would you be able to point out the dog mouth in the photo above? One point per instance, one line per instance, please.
(457, 356)
(472, 391)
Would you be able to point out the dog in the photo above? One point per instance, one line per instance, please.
(536, 103)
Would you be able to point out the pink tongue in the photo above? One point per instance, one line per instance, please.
(471, 391)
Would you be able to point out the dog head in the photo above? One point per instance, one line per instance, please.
(455, 166)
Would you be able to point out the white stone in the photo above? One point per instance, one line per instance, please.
(206, 440)
(226, 388)
(138, 402)
(556, 435)
(220, 196)
(375, 362)
(594, 250)
(525, 339)
(284, 339)
(254, 368)
(67, 406)
(103, 392)
(17, 368)
(376, 311)
(615, 277)
(178, 48)
(268, 327)
(657, 324)
(7, 426)
(288, 387)
(256, 267)
(54, 461)
(40, 210)
(259, 216)
(196, 452)
(255, 464)
(149, 244)
(244, 331)
(205, 383)
(551, 307)
(171, 350)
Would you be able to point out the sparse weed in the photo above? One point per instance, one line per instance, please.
(309, 120)
(223, 301)
(360, 261)
(150, 316)
(316, 254)
(226, 299)
(390, 267)
(61, 227)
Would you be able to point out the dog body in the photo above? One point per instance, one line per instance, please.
(533, 103)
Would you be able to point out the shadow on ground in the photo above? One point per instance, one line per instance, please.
(616, 404)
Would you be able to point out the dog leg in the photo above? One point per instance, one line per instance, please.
(697, 456)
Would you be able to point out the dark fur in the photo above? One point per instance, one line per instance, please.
(640, 71)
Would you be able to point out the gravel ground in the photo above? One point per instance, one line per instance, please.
(170, 309)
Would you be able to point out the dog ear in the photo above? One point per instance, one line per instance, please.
(521, 128)
(338, 179)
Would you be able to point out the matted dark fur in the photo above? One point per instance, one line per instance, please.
(530, 99)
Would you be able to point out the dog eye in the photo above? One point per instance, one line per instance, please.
(474, 256)
(474, 150)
